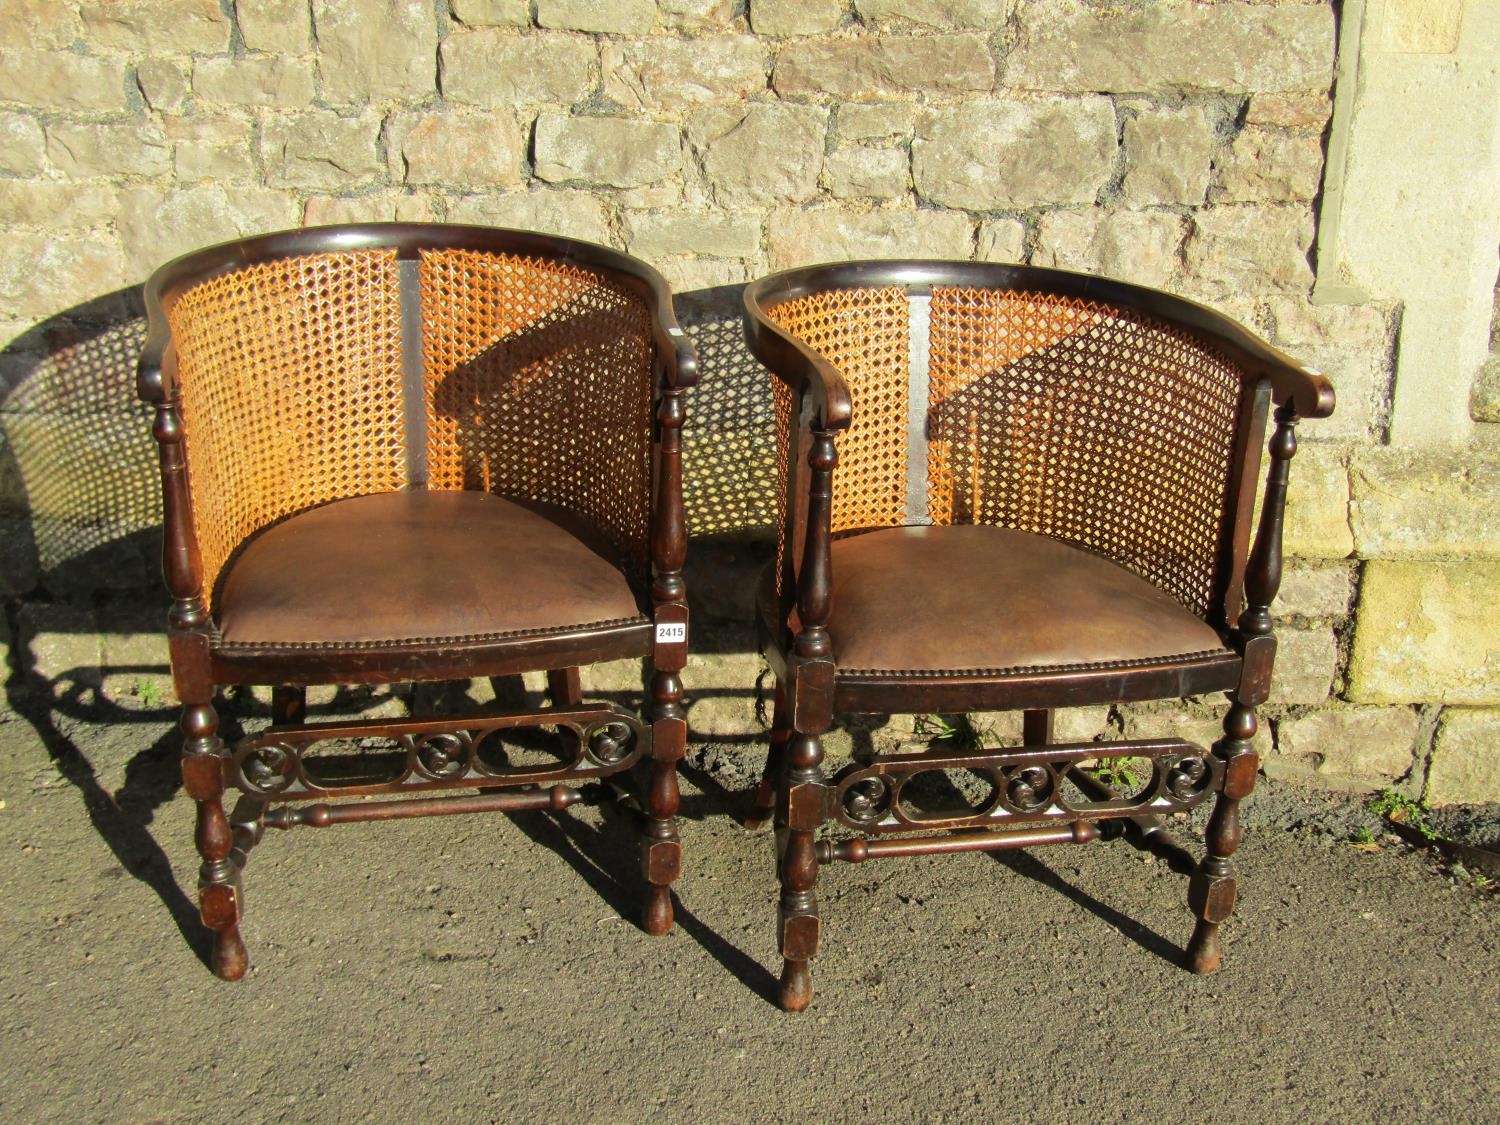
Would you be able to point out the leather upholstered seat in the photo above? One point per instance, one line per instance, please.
(996, 600)
(453, 564)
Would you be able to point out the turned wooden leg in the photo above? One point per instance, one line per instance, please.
(564, 688)
(661, 855)
(763, 806)
(218, 878)
(1211, 893)
(799, 812)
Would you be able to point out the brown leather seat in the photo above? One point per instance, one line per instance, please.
(995, 600)
(453, 564)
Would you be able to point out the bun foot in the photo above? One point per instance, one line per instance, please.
(1203, 951)
(658, 915)
(230, 959)
(796, 991)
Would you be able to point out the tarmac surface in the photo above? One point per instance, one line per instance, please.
(488, 968)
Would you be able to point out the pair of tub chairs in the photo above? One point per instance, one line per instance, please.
(406, 453)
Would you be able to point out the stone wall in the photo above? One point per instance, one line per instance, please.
(1174, 143)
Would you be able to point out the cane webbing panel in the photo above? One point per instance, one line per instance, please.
(864, 334)
(1088, 423)
(271, 354)
(539, 385)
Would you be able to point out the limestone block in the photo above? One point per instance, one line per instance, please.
(1079, 724)
(685, 275)
(266, 80)
(761, 153)
(1239, 249)
(617, 152)
(158, 223)
(827, 234)
(878, 122)
(1352, 345)
(722, 701)
(370, 50)
(868, 173)
(169, 26)
(47, 203)
(1410, 503)
(1002, 240)
(278, 27)
(1167, 156)
(1317, 504)
(83, 150)
(1000, 155)
(463, 150)
(1484, 403)
(1139, 246)
(321, 150)
(21, 144)
(44, 273)
(164, 83)
(39, 23)
(1424, 632)
(945, 14)
(1269, 164)
(1290, 111)
(697, 15)
(1306, 663)
(795, 17)
(1311, 590)
(60, 80)
(491, 68)
(1201, 725)
(491, 13)
(668, 73)
(1173, 47)
(1360, 748)
(870, 67)
(651, 235)
(1465, 764)
(212, 148)
(574, 214)
(372, 207)
(614, 679)
(618, 17)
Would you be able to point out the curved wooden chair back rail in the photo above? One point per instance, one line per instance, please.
(1008, 488)
(417, 452)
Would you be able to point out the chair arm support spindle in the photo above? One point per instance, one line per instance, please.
(1263, 575)
(182, 564)
(815, 578)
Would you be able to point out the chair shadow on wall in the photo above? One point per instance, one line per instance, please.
(80, 526)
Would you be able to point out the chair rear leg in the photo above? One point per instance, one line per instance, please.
(218, 878)
(661, 854)
(799, 812)
(564, 687)
(1211, 893)
(763, 806)
(288, 705)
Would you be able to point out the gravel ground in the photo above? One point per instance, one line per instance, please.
(488, 968)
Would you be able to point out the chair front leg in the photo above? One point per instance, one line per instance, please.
(802, 804)
(1213, 888)
(203, 758)
(800, 808)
